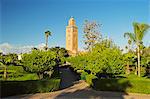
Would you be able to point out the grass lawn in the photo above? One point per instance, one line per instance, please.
(131, 84)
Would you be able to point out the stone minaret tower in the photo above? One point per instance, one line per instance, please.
(72, 37)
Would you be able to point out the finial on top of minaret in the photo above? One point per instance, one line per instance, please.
(72, 21)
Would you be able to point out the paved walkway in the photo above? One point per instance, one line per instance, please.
(67, 76)
(81, 90)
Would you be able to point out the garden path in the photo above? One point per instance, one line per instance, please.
(67, 76)
(81, 90)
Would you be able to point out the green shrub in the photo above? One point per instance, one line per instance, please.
(83, 75)
(22, 77)
(16, 68)
(111, 84)
(105, 57)
(9, 88)
(89, 78)
(131, 84)
(39, 61)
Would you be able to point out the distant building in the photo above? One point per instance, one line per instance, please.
(19, 56)
(72, 37)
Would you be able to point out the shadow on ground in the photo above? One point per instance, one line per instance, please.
(104, 85)
(68, 77)
(90, 94)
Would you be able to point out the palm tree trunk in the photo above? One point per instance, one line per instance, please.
(136, 70)
(46, 42)
(127, 71)
(139, 69)
(5, 73)
(40, 75)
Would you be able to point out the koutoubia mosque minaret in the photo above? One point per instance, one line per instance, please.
(72, 37)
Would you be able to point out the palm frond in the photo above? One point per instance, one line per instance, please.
(136, 28)
(130, 36)
(143, 28)
(48, 33)
(140, 29)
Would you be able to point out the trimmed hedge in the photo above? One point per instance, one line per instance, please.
(111, 84)
(132, 85)
(9, 88)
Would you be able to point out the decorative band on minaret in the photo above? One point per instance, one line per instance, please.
(72, 37)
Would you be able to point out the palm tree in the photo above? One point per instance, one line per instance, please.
(140, 30)
(47, 34)
(128, 50)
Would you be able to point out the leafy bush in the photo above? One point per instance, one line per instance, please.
(105, 57)
(9, 88)
(39, 62)
(131, 84)
(111, 84)
(9, 59)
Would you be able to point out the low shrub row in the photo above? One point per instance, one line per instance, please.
(9, 88)
(126, 85)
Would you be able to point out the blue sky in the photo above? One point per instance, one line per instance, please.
(23, 22)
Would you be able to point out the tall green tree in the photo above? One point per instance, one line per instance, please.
(145, 60)
(140, 30)
(105, 57)
(91, 33)
(61, 54)
(39, 61)
(47, 34)
(6, 60)
(128, 55)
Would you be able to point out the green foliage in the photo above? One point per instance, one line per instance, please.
(29, 86)
(140, 29)
(145, 58)
(78, 62)
(108, 57)
(16, 68)
(39, 62)
(17, 73)
(145, 61)
(130, 56)
(105, 57)
(61, 53)
(111, 84)
(22, 77)
(131, 84)
(89, 78)
(9, 59)
(83, 75)
(6, 60)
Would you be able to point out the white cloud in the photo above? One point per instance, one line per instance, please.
(8, 48)
(5, 45)
(40, 46)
